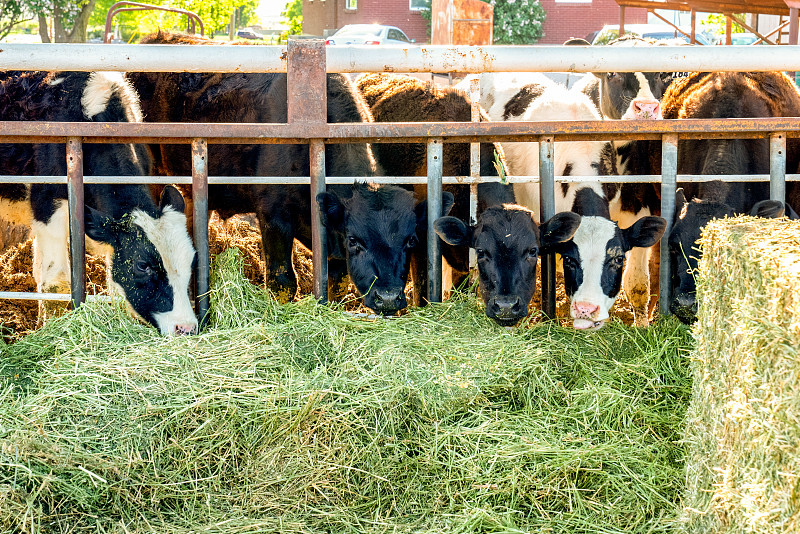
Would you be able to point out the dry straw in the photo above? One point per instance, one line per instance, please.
(743, 463)
(301, 419)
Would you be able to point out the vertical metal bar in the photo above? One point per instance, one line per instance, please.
(777, 166)
(693, 39)
(474, 163)
(728, 29)
(319, 244)
(200, 219)
(307, 104)
(669, 178)
(77, 237)
(547, 205)
(434, 212)
(621, 21)
(794, 23)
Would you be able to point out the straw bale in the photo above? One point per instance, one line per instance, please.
(743, 432)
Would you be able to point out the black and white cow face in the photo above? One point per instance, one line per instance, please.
(593, 262)
(378, 227)
(507, 243)
(632, 95)
(151, 262)
(690, 219)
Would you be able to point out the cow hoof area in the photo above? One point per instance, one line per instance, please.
(50, 308)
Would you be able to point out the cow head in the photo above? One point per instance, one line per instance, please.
(690, 219)
(507, 243)
(593, 262)
(151, 261)
(378, 228)
(632, 95)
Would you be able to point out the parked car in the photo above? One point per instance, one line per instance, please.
(742, 38)
(249, 34)
(648, 31)
(373, 34)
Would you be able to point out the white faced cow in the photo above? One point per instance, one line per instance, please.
(533, 97)
(147, 246)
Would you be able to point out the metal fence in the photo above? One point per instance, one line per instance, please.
(306, 63)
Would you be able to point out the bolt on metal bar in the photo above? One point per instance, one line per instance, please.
(200, 221)
(319, 243)
(669, 175)
(434, 212)
(77, 238)
(474, 163)
(547, 205)
(777, 166)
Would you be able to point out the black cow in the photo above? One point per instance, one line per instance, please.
(147, 246)
(507, 243)
(283, 212)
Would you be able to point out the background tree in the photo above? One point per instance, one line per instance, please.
(12, 12)
(714, 25)
(293, 13)
(70, 19)
(517, 21)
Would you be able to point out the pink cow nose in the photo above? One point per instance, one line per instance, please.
(184, 329)
(585, 310)
(646, 108)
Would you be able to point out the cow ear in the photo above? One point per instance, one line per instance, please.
(97, 226)
(453, 231)
(422, 209)
(680, 202)
(331, 209)
(768, 209)
(644, 233)
(171, 197)
(561, 227)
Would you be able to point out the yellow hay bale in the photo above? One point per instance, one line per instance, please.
(743, 424)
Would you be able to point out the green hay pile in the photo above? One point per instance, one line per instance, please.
(743, 463)
(301, 419)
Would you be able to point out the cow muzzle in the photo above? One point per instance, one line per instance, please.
(506, 310)
(684, 307)
(386, 301)
(585, 316)
(643, 108)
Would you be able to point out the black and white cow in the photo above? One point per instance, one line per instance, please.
(507, 242)
(147, 246)
(532, 97)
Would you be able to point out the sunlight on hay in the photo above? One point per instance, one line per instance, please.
(298, 418)
(743, 465)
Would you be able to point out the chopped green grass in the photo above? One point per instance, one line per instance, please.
(300, 418)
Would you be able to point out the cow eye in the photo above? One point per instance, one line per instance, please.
(412, 242)
(354, 244)
(666, 77)
(612, 75)
(532, 253)
(617, 261)
(142, 267)
(569, 263)
(480, 254)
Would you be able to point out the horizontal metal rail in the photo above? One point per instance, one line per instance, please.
(364, 58)
(62, 297)
(387, 132)
(409, 180)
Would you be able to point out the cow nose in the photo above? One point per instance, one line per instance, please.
(506, 306)
(184, 329)
(646, 108)
(684, 307)
(389, 300)
(585, 310)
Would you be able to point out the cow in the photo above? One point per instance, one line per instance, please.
(716, 95)
(148, 249)
(507, 242)
(284, 212)
(532, 97)
(393, 98)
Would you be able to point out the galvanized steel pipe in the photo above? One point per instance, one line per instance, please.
(319, 234)
(777, 166)
(77, 238)
(669, 173)
(200, 221)
(547, 205)
(434, 212)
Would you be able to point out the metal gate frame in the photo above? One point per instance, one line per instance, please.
(306, 63)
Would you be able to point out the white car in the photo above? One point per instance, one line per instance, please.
(374, 34)
(648, 31)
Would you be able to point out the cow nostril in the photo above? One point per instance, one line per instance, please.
(184, 329)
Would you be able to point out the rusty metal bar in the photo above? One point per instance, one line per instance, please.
(200, 214)
(434, 212)
(669, 173)
(547, 204)
(777, 166)
(300, 132)
(77, 237)
(794, 23)
(58, 297)
(319, 243)
(307, 108)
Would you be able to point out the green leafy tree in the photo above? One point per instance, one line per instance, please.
(293, 13)
(715, 25)
(70, 19)
(12, 12)
(517, 21)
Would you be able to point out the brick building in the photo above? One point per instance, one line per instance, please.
(323, 17)
(578, 18)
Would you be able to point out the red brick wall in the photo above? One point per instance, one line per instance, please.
(564, 20)
(319, 15)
